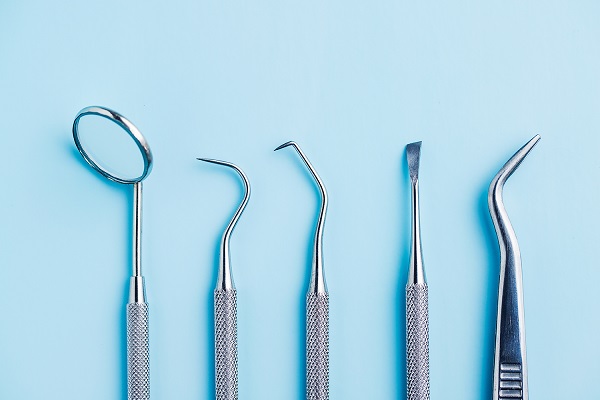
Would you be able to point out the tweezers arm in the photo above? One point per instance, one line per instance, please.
(510, 361)
(317, 346)
(417, 342)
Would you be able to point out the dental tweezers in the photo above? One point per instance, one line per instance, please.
(510, 362)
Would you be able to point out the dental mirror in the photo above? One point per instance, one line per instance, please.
(112, 145)
(115, 148)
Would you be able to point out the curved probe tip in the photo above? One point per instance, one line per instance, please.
(317, 284)
(286, 144)
(230, 165)
(211, 160)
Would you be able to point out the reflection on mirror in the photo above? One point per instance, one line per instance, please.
(111, 147)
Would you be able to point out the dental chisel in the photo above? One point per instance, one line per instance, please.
(510, 361)
(417, 304)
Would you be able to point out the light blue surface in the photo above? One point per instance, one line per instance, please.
(352, 83)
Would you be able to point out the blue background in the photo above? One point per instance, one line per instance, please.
(352, 82)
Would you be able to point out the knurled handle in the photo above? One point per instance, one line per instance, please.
(317, 346)
(226, 355)
(417, 342)
(138, 352)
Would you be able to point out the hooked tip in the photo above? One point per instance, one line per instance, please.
(286, 144)
(234, 167)
(210, 160)
(219, 162)
(413, 156)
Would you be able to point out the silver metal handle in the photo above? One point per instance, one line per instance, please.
(226, 352)
(317, 346)
(138, 352)
(417, 342)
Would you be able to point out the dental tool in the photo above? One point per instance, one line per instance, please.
(317, 304)
(510, 362)
(417, 303)
(138, 352)
(225, 305)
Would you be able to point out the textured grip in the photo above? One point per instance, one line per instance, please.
(138, 354)
(226, 355)
(417, 342)
(317, 346)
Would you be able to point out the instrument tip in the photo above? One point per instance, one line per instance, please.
(286, 144)
(413, 155)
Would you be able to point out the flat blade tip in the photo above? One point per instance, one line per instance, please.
(413, 155)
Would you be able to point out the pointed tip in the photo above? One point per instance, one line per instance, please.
(527, 147)
(509, 167)
(230, 165)
(286, 144)
(413, 155)
(530, 145)
(213, 161)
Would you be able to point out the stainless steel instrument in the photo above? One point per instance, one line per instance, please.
(225, 303)
(510, 362)
(417, 303)
(317, 304)
(138, 355)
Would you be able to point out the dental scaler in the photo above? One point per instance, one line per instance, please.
(225, 305)
(317, 304)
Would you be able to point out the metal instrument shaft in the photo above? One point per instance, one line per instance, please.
(417, 302)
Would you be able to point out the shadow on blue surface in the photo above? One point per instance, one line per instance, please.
(127, 190)
(303, 289)
(403, 259)
(210, 322)
(123, 342)
(490, 301)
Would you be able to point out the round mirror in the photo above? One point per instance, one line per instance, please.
(112, 145)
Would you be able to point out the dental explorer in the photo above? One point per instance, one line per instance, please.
(417, 303)
(510, 362)
(225, 305)
(138, 354)
(317, 304)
